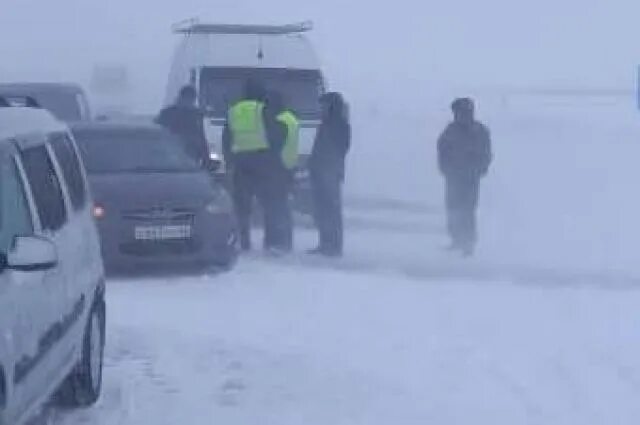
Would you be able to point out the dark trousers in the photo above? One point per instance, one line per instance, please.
(327, 202)
(462, 203)
(283, 227)
(254, 176)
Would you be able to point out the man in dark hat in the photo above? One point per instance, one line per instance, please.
(185, 120)
(464, 156)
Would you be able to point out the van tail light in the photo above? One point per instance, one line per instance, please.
(98, 211)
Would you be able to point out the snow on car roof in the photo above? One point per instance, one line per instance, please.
(17, 121)
(118, 125)
(28, 88)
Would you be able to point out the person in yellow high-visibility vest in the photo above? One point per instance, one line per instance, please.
(289, 160)
(250, 139)
(292, 142)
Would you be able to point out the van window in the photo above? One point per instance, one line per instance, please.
(46, 188)
(301, 89)
(15, 217)
(71, 169)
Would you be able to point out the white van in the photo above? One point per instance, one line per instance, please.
(218, 58)
(52, 308)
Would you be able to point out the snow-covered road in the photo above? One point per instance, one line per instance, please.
(541, 327)
(365, 341)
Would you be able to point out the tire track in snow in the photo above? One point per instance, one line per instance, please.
(435, 271)
(172, 380)
(533, 411)
(129, 378)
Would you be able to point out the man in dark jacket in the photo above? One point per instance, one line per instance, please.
(251, 141)
(185, 120)
(327, 170)
(464, 156)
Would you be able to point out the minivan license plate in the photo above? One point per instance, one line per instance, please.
(155, 233)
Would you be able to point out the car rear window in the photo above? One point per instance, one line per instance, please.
(138, 150)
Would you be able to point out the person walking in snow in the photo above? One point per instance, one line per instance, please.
(464, 157)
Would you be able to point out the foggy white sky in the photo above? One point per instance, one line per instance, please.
(372, 46)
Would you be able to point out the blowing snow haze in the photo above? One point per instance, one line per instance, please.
(466, 43)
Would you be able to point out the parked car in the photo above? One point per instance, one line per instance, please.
(52, 288)
(155, 207)
(67, 102)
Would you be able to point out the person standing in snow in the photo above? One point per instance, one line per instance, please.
(251, 139)
(464, 156)
(185, 120)
(327, 171)
(288, 155)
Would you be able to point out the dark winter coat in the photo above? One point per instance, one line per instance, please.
(187, 123)
(464, 151)
(333, 141)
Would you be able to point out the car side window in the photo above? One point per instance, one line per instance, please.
(46, 188)
(71, 169)
(15, 216)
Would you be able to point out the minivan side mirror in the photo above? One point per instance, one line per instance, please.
(32, 253)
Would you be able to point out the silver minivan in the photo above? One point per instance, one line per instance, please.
(52, 306)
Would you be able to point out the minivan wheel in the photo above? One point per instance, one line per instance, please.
(83, 386)
(227, 262)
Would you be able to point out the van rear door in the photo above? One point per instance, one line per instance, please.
(221, 87)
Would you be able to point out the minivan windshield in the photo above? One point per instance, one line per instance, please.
(135, 150)
(301, 89)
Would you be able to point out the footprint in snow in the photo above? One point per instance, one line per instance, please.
(230, 391)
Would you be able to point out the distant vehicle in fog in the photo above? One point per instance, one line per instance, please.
(67, 102)
(218, 59)
(155, 207)
(111, 90)
(52, 307)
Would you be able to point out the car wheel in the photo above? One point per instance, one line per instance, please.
(224, 265)
(83, 386)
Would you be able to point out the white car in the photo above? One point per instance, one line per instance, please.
(52, 307)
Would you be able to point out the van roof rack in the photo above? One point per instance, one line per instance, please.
(19, 101)
(194, 26)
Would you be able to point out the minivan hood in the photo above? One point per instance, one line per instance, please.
(133, 191)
